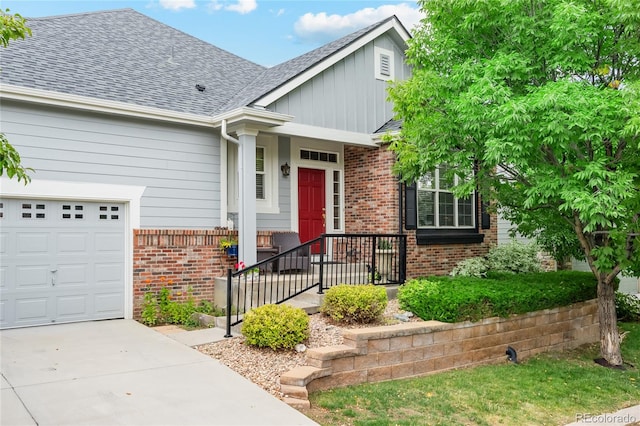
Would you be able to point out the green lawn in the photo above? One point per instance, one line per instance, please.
(548, 389)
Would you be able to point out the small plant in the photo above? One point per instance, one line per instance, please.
(276, 326)
(471, 267)
(150, 310)
(627, 307)
(514, 257)
(227, 242)
(385, 245)
(161, 309)
(355, 303)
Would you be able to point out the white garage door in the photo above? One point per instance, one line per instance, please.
(60, 261)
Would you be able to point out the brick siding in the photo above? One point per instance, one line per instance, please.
(181, 259)
(371, 206)
(419, 348)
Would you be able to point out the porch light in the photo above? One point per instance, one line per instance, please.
(285, 169)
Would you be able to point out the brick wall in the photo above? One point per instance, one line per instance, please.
(420, 348)
(371, 206)
(181, 259)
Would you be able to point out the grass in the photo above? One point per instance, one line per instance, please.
(549, 389)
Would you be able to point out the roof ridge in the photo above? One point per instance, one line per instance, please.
(70, 15)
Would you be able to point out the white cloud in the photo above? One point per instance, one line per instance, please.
(321, 27)
(240, 6)
(177, 4)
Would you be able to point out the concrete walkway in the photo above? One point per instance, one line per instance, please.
(120, 372)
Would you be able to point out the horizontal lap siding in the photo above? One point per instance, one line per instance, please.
(178, 165)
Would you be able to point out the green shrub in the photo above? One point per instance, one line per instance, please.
(471, 267)
(454, 299)
(627, 307)
(514, 257)
(149, 310)
(275, 326)
(354, 303)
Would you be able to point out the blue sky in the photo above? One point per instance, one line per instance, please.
(267, 32)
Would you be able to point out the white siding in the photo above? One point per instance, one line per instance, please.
(179, 165)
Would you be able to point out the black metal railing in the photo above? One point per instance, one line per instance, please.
(326, 261)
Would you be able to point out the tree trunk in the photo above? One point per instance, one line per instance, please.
(609, 337)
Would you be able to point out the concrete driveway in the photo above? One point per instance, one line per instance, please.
(120, 372)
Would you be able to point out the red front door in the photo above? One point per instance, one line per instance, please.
(311, 207)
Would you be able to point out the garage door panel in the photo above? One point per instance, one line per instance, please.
(72, 307)
(72, 275)
(108, 304)
(73, 243)
(83, 242)
(31, 310)
(32, 277)
(31, 243)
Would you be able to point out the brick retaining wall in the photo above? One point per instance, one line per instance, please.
(419, 348)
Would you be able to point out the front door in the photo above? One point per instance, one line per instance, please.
(311, 205)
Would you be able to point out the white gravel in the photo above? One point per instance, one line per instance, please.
(264, 366)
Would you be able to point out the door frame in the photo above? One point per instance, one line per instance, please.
(317, 145)
(130, 195)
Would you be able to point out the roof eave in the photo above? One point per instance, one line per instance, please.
(85, 103)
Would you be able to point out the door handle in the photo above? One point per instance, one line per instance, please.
(53, 277)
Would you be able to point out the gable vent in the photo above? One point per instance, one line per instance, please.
(385, 65)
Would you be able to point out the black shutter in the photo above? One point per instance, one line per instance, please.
(410, 206)
(485, 216)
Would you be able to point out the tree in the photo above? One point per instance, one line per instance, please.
(12, 27)
(537, 104)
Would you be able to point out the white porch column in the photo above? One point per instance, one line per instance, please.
(247, 226)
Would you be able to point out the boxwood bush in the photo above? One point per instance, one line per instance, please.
(455, 299)
(275, 326)
(354, 303)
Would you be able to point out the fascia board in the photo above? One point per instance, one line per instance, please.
(65, 100)
(251, 116)
(323, 133)
(332, 60)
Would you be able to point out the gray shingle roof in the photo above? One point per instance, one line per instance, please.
(390, 126)
(123, 55)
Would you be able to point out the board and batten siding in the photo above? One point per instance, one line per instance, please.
(346, 96)
(179, 165)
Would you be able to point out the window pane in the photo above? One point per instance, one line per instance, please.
(260, 192)
(427, 181)
(445, 209)
(426, 208)
(260, 159)
(443, 181)
(465, 211)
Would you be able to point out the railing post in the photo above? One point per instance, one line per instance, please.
(321, 278)
(374, 268)
(228, 331)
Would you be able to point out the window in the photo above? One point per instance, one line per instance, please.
(438, 216)
(437, 206)
(383, 64)
(260, 174)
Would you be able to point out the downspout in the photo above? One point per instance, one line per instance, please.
(227, 136)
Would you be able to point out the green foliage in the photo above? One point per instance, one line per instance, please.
(454, 299)
(12, 27)
(471, 267)
(275, 326)
(161, 309)
(354, 303)
(150, 309)
(627, 307)
(515, 257)
(537, 103)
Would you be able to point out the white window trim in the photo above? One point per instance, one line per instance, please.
(271, 170)
(378, 52)
(130, 195)
(436, 190)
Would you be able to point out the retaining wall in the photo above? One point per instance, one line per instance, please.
(419, 348)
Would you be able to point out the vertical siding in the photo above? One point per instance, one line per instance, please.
(346, 96)
(178, 164)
